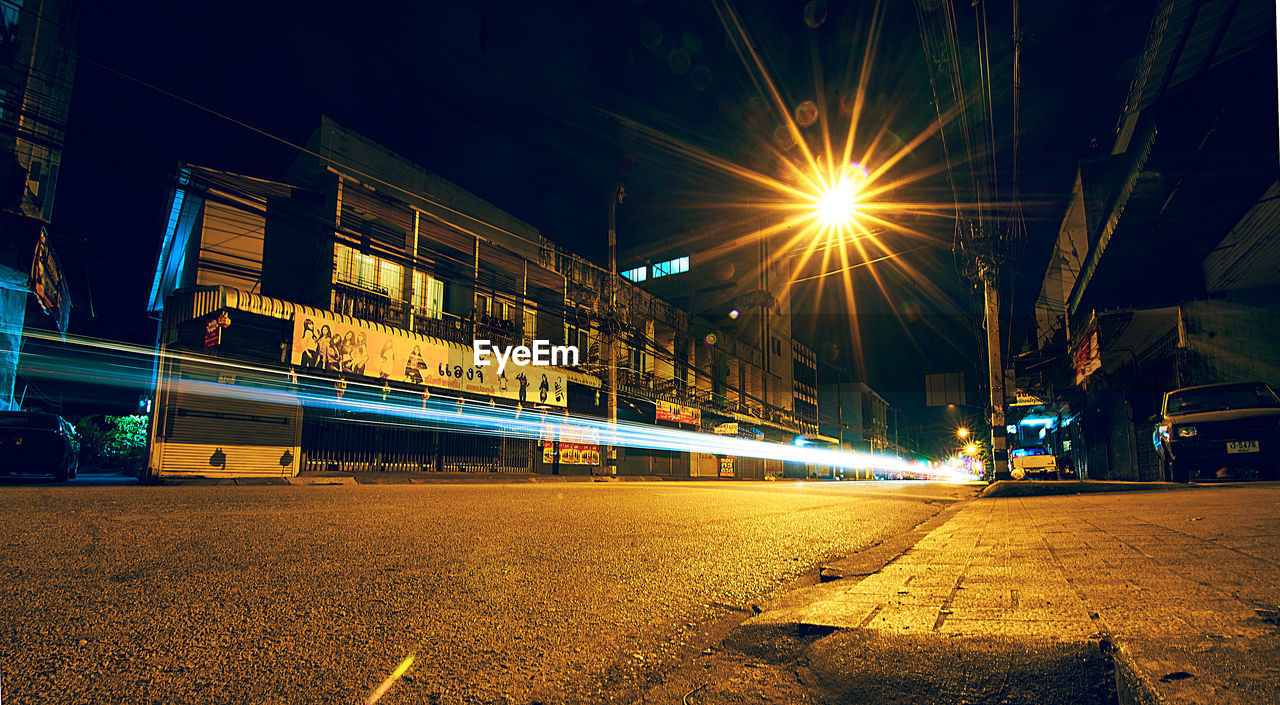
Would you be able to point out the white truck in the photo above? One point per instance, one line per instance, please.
(1033, 462)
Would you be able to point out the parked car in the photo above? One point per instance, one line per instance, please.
(1218, 425)
(34, 443)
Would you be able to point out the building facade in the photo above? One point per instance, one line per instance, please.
(37, 64)
(358, 276)
(1165, 270)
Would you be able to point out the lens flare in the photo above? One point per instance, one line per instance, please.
(838, 205)
(806, 113)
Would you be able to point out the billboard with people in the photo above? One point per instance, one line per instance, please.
(325, 342)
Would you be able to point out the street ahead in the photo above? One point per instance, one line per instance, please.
(505, 593)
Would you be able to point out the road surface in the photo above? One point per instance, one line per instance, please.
(521, 593)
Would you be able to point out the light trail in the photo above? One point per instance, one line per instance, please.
(123, 364)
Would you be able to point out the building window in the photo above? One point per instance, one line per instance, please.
(530, 321)
(368, 272)
(678, 265)
(636, 275)
(428, 295)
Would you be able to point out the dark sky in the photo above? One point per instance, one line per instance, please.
(528, 105)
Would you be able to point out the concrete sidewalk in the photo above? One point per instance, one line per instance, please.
(1180, 589)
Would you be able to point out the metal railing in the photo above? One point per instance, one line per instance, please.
(369, 305)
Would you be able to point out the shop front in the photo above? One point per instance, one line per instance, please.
(253, 386)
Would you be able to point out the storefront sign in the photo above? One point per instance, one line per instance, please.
(679, 414)
(726, 467)
(213, 329)
(323, 342)
(727, 429)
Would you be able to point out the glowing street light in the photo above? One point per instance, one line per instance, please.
(962, 432)
(971, 449)
(838, 205)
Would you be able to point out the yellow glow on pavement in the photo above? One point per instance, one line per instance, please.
(391, 679)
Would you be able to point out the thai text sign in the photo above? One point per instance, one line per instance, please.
(680, 414)
(726, 466)
(324, 342)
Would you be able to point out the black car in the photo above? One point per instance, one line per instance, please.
(35, 443)
(1218, 425)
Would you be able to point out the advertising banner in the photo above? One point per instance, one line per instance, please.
(323, 342)
(571, 453)
(578, 445)
(679, 414)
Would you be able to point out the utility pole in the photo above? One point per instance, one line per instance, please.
(990, 276)
(611, 328)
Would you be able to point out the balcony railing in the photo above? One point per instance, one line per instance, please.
(369, 305)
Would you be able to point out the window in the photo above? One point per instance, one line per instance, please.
(428, 295)
(530, 321)
(678, 265)
(637, 274)
(368, 271)
(389, 278)
(581, 337)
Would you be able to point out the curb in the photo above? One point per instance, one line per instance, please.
(1045, 488)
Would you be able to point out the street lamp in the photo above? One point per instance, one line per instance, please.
(838, 205)
(962, 432)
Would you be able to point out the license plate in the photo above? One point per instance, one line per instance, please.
(1242, 446)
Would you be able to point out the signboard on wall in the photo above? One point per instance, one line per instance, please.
(578, 445)
(1088, 357)
(321, 341)
(680, 414)
(213, 329)
(571, 453)
(48, 284)
(726, 467)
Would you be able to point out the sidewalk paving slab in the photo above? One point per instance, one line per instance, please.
(1181, 588)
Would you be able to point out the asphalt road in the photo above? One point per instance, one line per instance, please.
(516, 593)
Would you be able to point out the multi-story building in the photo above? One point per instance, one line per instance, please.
(744, 291)
(855, 415)
(37, 64)
(361, 273)
(1164, 271)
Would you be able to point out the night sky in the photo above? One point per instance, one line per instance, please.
(535, 106)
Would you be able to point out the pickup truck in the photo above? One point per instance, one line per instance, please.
(1025, 464)
(1210, 427)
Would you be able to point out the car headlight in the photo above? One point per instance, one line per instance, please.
(1186, 431)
